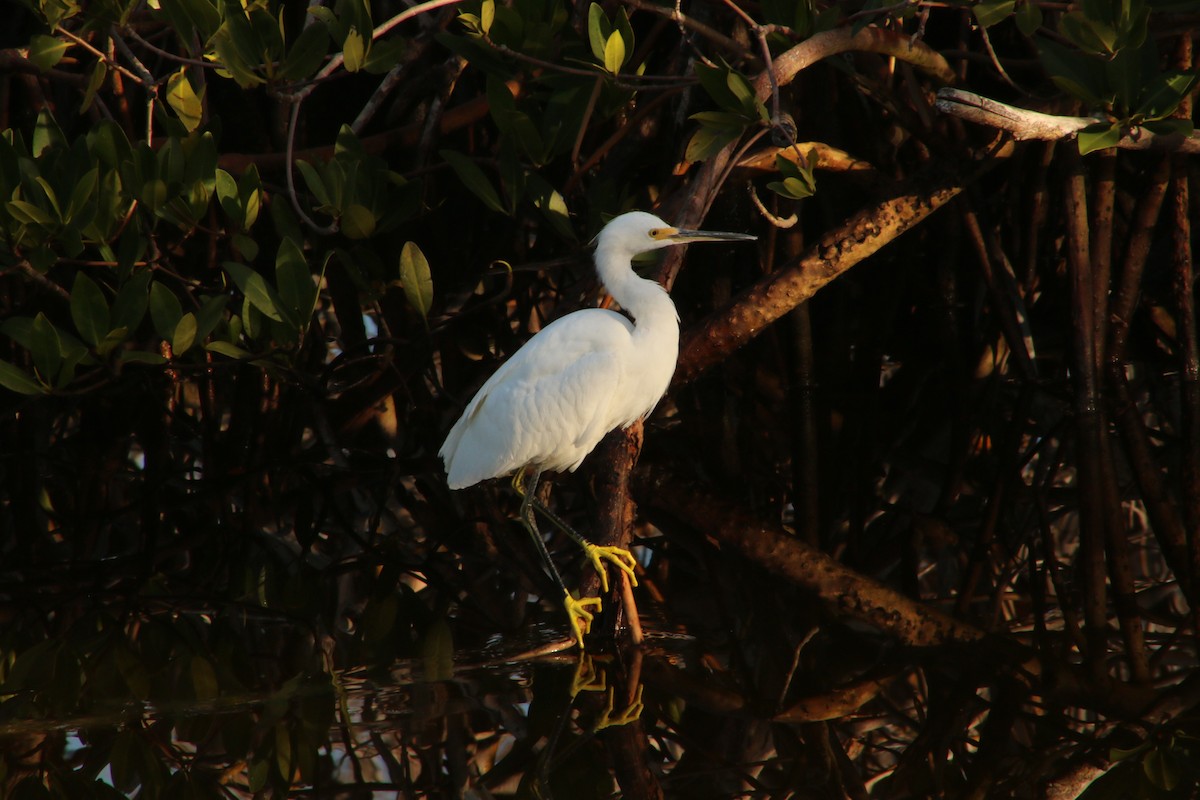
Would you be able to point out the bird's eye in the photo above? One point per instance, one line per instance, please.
(656, 233)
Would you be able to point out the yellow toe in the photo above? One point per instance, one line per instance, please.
(621, 558)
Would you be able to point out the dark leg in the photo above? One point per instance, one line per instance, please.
(618, 556)
(577, 610)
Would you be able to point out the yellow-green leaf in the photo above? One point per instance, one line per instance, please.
(184, 99)
(99, 73)
(354, 51)
(185, 334)
(358, 222)
(46, 51)
(416, 278)
(614, 52)
(487, 15)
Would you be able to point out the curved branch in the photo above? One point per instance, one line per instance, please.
(844, 40)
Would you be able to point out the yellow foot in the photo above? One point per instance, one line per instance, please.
(621, 558)
(587, 677)
(581, 618)
(630, 714)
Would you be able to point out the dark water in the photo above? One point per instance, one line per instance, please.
(531, 717)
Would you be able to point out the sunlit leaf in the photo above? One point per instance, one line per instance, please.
(1098, 137)
(415, 278)
(184, 100)
(614, 53)
(598, 30)
(353, 51)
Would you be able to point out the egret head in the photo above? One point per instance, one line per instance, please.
(637, 232)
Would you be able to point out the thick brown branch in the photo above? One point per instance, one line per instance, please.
(837, 251)
(848, 593)
(1024, 124)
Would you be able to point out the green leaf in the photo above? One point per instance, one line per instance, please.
(1163, 95)
(129, 306)
(46, 133)
(1029, 17)
(89, 310)
(1170, 127)
(306, 53)
(358, 222)
(598, 30)
(989, 12)
(260, 773)
(292, 276)
(17, 380)
(383, 55)
(313, 179)
(256, 289)
(28, 213)
(95, 81)
(614, 53)
(46, 51)
(1161, 768)
(416, 279)
(184, 335)
(1098, 137)
(141, 357)
(51, 195)
(1074, 72)
(353, 51)
(474, 179)
(212, 309)
(250, 193)
(111, 340)
(81, 194)
(227, 349)
(551, 203)
(165, 310)
(46, 347)
(707, 142)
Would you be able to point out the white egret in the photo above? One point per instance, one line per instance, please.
(577, 379)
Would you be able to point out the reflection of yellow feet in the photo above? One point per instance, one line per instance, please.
(581, 618)
(618, 556)
(630, 714)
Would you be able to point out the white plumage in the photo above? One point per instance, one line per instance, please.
(581, 376)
